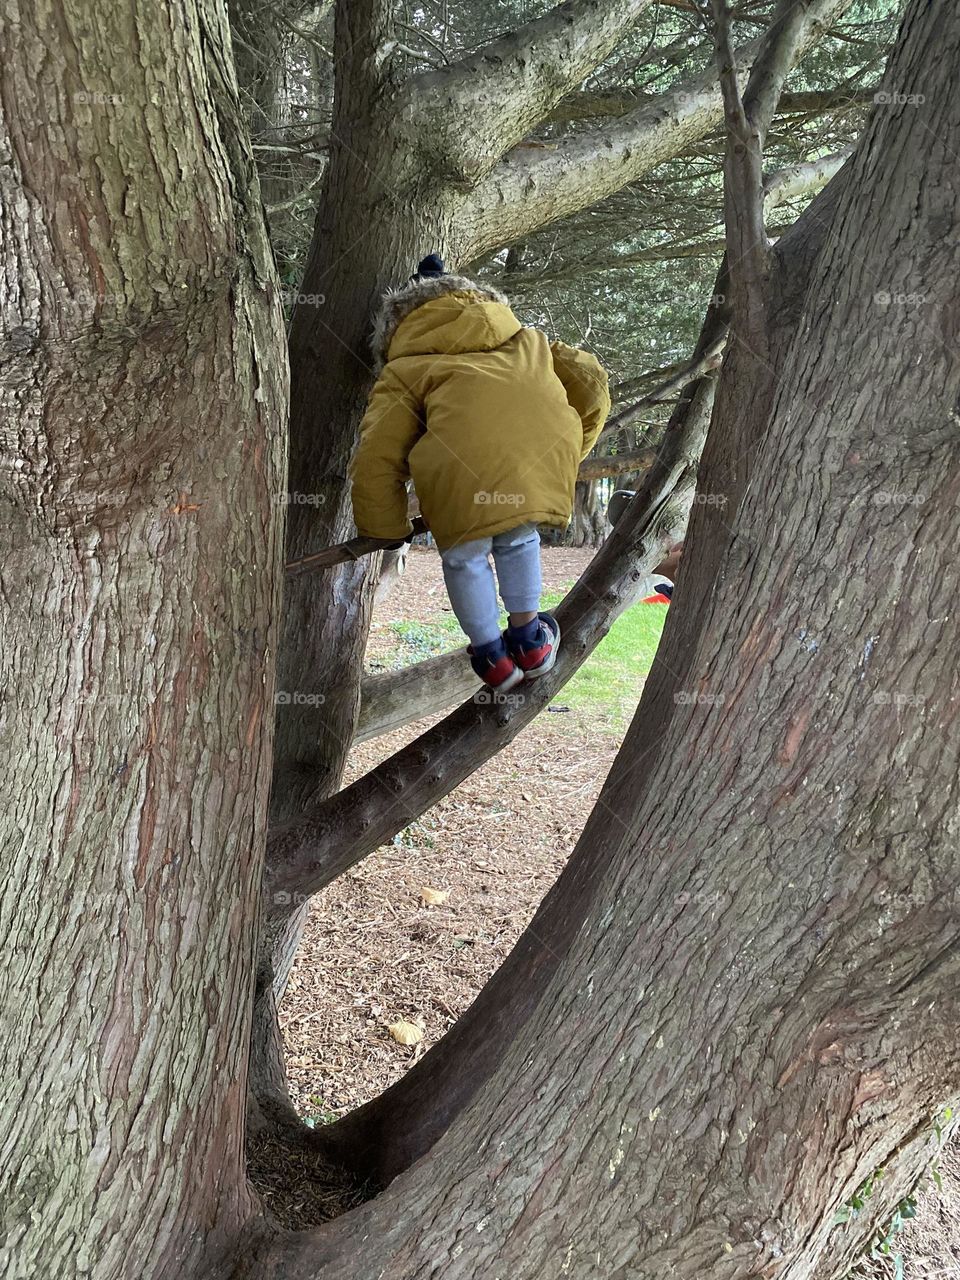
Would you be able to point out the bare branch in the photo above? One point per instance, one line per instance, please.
(747, 120)
(802, 179)
(747, 244)
(343, 552)
(476, 109)
(534, 186)
(613, 103)
(616, 464)
(705, 362)
(396, 698)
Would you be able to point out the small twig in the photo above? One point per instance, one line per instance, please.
(294, 199)
(343, 552)
(676, 382)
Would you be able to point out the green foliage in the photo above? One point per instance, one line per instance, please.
(882, 1245)
(319, 1113)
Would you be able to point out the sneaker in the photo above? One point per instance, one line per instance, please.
(494, 665)
(657, 590)
(620, 499)
(535, 657)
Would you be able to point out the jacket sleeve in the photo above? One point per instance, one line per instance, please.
(379, 471)
(585, 382)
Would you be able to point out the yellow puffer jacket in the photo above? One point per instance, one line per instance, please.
(489, 419)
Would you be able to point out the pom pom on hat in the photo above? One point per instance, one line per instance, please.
(430, 267)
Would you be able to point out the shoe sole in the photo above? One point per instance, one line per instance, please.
(513, 679)
(547, 664)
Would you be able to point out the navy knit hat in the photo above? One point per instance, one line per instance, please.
(429, 268)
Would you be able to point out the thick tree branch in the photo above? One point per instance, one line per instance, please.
(536, 185)
(396, 698)
(746, 236)
(801, 179)
(747, 120)
(613, 103)
(477, 108)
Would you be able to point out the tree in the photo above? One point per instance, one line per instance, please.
(774, 1058)
(142, 461)
(430, 160)
(751, 1000)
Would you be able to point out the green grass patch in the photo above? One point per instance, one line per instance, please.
(607, 685)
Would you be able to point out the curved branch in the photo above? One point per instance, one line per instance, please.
(480, 106)
(534, 185)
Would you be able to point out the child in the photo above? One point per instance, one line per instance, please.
(491, 421)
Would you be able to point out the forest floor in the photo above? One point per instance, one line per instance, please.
(411, 934)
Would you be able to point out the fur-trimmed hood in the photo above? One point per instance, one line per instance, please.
(397, 304)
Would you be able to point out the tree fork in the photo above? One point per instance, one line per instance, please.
(774, 1041)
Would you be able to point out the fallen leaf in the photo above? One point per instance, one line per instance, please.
(406, 1032)
(434, 897)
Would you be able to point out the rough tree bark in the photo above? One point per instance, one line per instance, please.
(760, 1007)
(143, 384)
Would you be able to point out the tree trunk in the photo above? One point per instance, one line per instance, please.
(589, 525)
(144, 392)
(355, 256)
(760, 1008)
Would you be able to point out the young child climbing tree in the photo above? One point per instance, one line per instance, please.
(491, 421)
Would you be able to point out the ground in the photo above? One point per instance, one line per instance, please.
(412, 933)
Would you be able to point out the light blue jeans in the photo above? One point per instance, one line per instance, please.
(470, 584)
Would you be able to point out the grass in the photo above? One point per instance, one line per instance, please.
(607, 685)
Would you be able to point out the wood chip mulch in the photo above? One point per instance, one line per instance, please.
(374, 952)
(411, 934)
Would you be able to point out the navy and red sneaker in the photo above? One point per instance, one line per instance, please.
(657, 590)
(494, 665)
(534, 647)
